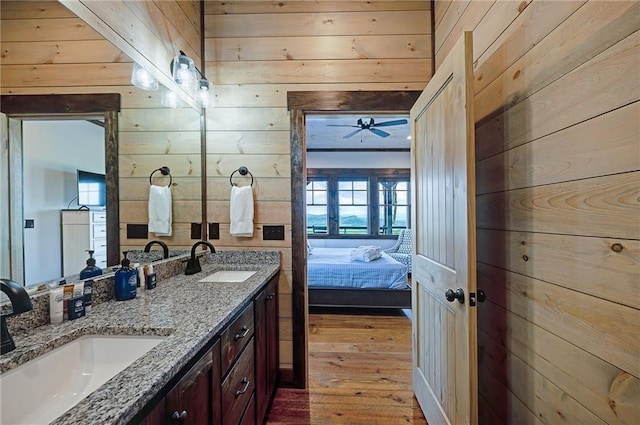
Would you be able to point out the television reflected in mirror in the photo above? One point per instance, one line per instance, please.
(92, 189)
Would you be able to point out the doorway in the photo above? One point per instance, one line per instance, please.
(15, 109)
(301, 104)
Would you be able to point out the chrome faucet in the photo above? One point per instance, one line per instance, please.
(165, 248)
(193, 265)
(20, 302)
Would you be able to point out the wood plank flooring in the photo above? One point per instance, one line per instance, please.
(359, 374)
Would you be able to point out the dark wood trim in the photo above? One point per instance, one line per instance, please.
(298, 249)
(361, 298)
(54, 104)
(203, 140)
(351, 101)
(62, 106)
(285, 378)
(358, 150)
(299, 103)
(360, 172)
(433, 36)
(112, 175)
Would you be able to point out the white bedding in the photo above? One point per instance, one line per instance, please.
(333, 268)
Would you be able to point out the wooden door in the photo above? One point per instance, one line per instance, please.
(443, 176)
(11, 199)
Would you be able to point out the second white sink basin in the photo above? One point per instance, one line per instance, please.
(44, 388)
(229, 276)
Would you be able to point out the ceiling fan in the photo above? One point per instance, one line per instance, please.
(371, 126)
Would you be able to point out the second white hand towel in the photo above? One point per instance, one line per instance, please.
(160, 216)
(241, 212)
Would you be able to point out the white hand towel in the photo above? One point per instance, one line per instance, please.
(160, 210)
(366, 255)
(241, 212)
(374, 248)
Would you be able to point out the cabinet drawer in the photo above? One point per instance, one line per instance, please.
(99, 217)
(99, 230)
(249, 417)
(238, 387)
(99, 247)
(236, 336)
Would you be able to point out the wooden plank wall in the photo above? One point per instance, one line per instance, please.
(558, 166)
(255, 52)
(46, 49)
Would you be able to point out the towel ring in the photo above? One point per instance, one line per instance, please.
(164, 171)
(243, 172)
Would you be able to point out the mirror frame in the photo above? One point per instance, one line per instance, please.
(64, 106)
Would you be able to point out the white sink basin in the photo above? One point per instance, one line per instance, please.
(44, 388)
(229, 276)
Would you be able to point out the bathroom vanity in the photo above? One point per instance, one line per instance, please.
(217, 362)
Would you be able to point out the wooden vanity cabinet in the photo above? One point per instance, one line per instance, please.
(195, 399)
(234, 381)
(266, 330)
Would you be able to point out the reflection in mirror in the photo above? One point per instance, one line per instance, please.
(76, 60)
(60, 157)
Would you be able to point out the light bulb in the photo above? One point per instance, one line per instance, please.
(142, 79)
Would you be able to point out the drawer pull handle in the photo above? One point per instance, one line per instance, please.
(270, 296)
(245, 331)
(244, 389)
(177, 418)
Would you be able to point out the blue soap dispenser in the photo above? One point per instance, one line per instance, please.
(126, 280)
(91, 270)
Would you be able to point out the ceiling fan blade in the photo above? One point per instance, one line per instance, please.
(342, 125)
(353, 133)
(388, 123)
(379, 132)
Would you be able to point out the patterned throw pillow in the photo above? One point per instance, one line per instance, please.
(407, 243)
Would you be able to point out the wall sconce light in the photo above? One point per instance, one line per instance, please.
(142, 79)
(205, 93)
(169, 98)
(185, 74)
(183, 71)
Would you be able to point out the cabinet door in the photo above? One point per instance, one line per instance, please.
(157, 416)
(262, 392)
(189, 402)
(266, 334)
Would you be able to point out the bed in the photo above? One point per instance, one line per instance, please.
(334, 280)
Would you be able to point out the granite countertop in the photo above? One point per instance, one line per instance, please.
(189, 313)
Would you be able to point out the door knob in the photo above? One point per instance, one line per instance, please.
(452, 295)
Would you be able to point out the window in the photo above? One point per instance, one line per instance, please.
(357, 202)
(317, 218)
(353, 207)
(394, 205)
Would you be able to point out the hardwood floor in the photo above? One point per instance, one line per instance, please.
(359, 373)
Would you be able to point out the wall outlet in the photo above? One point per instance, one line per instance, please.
(273, 233)
(196, 231)
(137, 231)
(29, 223)
(214, 231)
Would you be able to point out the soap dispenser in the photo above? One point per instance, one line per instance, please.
(91, 270)
(126, 280)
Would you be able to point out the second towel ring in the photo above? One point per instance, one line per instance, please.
(243, 172)
(164, 171)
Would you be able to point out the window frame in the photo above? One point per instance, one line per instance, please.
(372, 176)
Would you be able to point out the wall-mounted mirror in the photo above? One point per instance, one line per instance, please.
(70, 58)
